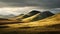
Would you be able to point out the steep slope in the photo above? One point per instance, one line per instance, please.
(30, 18)
(47, 21)
(53, 20)
(43, 15)
(33, 12)
(19, 17)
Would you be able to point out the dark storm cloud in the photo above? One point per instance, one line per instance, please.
(37, 3)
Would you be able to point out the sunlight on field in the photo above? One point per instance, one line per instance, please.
(45, 22)
(30, 18)
(48, 21)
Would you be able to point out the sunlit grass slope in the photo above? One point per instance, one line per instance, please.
(30, 18)
(47, 21)
(55, 19)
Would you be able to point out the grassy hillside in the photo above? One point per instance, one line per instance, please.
(32, 27)
(30, 18)
(55, 19)
(47, 21)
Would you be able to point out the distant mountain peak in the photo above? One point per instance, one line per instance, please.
(33, 12)
(43, 15)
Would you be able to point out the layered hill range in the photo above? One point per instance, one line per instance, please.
(31, 16)
(34, 18)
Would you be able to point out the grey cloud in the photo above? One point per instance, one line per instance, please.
(37, 3)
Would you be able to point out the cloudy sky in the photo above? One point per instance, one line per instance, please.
(24, 6)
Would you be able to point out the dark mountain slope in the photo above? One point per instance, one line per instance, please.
(43, 15)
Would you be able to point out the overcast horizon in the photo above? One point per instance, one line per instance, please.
(17, 7)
